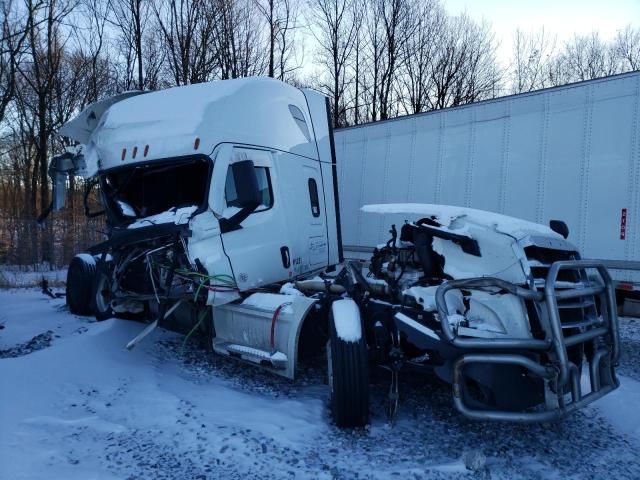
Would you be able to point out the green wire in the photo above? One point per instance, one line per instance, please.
(195, 327)
(195, 297)
(224, 278)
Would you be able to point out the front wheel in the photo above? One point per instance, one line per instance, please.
(348, 366)
(102, 292)
(80, 278)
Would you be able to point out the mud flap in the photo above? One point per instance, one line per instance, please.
(265, 334)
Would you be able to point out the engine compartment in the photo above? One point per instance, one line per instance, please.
(145, 190)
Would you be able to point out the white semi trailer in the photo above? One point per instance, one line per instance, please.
(223, 219)
(570, 153)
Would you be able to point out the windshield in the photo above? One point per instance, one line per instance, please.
(149, 189)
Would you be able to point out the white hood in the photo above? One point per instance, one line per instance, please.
(448, 217)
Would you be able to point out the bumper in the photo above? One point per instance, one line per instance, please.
(564, 391)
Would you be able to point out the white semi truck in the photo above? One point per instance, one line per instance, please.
(569, 152)
(223, 218)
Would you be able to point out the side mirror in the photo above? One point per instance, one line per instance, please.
(246, 184)
(248, 196)
(559, 227)
(59, 169)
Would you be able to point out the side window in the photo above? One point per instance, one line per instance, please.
(313, 197)
(298, 116)
(264, 184)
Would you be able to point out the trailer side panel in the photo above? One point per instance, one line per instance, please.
(567, 153)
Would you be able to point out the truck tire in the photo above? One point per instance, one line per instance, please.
(101, 298)
(80, 278)
(348, 372)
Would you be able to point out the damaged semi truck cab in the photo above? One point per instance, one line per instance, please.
(211, 193)
(223, 218)
(233, 159)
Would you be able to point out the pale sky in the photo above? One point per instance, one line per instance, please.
(559, 17)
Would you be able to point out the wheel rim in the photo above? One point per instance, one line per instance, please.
(103, 294)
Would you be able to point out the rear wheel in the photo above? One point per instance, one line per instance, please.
(348, 367)
(80, 278)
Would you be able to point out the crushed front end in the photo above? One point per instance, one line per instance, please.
(504, 310)
(574, 334)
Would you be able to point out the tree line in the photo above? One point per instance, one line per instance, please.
(374, 59)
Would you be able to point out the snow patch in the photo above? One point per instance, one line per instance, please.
(290, 289)
(455, 319)
(12, 276)
(426, 296)
(278, 357)
(126, 209)
(346, 318)
(65, 418)
(270, 301)
(174, 215)
(620, 407)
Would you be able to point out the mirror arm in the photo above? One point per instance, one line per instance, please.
(233, 223)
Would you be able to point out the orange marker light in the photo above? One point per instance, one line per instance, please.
(196, 144)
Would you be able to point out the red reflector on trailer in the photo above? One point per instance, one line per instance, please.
(146, 150)
(625, 286)
(124, 153)
(196, 144)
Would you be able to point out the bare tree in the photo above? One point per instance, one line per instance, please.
(187, 29)
(627, 48)
(13, 34)
(280, 17)
(238, 41)
(334, 31)
(464, 68)
(45, 41)
(154, 59)
(357, 7)
(532, 56)
(130, 17)
(91, 43)
(416, 81)
(285, 40)
(585, 57)
(398, 24)
(481, 77)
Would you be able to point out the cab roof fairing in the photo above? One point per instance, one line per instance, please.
(251, 111)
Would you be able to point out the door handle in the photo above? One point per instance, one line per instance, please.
(286, 260)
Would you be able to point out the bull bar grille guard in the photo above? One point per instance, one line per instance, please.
(561, 370)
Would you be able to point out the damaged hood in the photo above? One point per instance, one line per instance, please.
(456, 218)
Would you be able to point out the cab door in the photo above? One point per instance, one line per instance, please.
(302, 193)
(256, 250)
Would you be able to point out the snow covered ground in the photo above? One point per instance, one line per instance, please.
(15, 276)
(75, 404)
